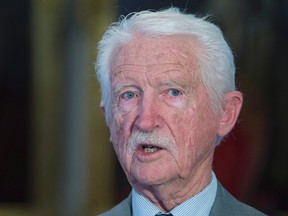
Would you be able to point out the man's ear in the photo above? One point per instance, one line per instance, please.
(232, 107)
(102, 107)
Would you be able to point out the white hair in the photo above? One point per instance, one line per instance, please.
(217, 69)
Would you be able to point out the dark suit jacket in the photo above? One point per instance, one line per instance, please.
(224, 205)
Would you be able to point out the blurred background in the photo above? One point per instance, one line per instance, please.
(55, 155)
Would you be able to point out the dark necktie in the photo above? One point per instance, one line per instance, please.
(163, 214)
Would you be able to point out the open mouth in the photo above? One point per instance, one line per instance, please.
(150, 148)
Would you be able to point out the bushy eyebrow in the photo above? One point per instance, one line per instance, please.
(121, 86)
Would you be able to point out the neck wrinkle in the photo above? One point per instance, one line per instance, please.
(166, 200)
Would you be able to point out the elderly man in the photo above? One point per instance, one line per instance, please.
(168, 94)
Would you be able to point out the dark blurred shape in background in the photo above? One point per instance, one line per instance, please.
(15, 83)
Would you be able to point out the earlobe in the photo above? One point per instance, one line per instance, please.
(232, 107)
(102, 106)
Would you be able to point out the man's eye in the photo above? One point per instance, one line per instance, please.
(128, 95)
(174, 92)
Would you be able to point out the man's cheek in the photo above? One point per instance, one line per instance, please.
(120, 130)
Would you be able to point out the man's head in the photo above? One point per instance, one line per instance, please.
(217, 63)
(168, 93)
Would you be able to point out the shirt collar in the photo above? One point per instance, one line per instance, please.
(200, 204)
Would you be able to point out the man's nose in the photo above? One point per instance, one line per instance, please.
(148, 115)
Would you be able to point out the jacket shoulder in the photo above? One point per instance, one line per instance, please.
(124, 208)
(226, 204)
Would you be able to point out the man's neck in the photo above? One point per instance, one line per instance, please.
(167, 196)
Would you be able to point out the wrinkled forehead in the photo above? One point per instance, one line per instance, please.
(158, 50)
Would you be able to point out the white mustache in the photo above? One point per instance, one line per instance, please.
(151, 138)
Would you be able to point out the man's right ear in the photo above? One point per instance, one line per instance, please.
(102, 106)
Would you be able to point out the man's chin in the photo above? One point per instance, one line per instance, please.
(147, 181)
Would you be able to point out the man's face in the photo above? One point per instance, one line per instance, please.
(162, 128)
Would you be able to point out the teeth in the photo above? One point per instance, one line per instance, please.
(150, 149)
